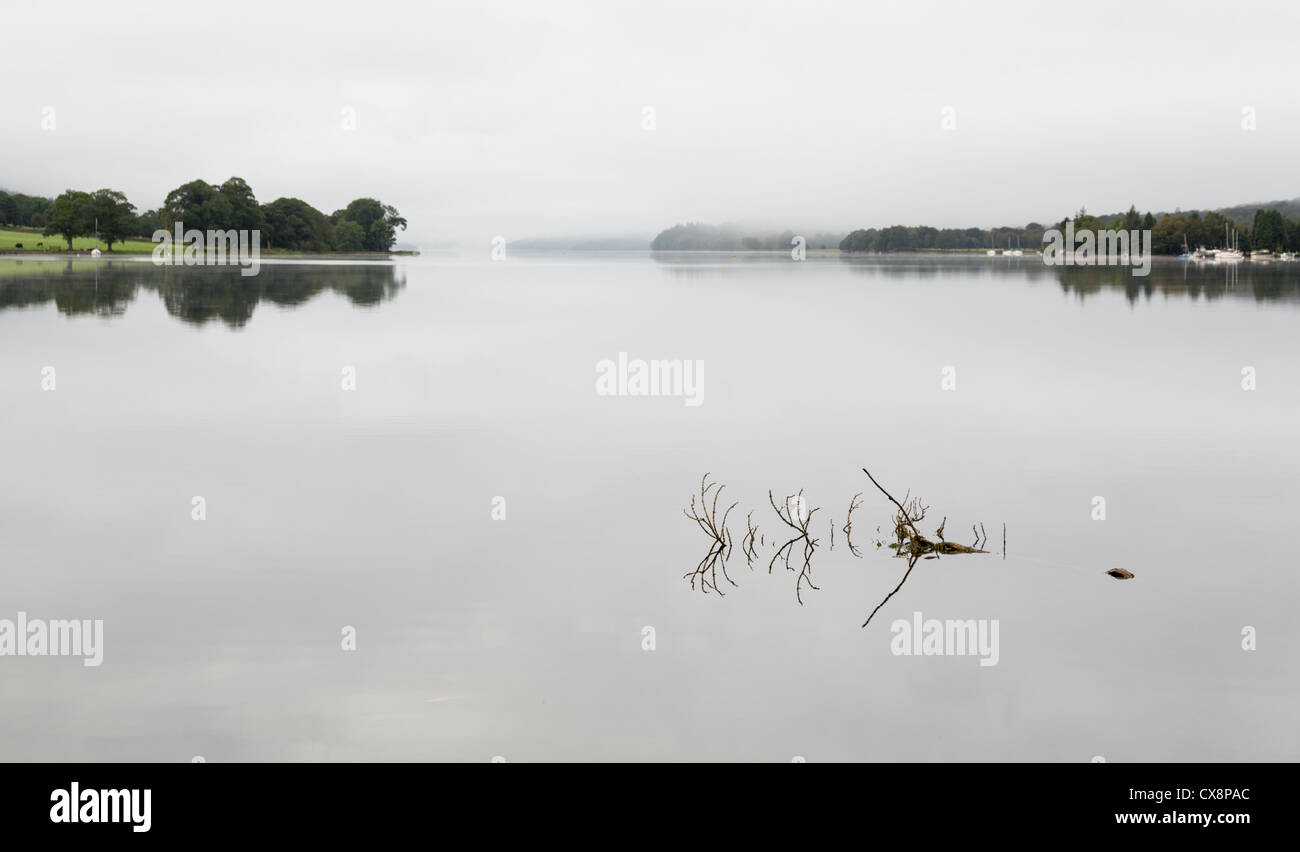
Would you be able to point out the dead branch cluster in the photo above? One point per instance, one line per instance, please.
(909, 542)
(796, 553)
(706, 517)
(797, 518)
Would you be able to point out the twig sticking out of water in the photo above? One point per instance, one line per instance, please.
(792, 516)
(747, 543)
(848, 524)
(903, 514)
(706, 517)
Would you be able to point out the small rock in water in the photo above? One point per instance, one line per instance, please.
(1120, 574)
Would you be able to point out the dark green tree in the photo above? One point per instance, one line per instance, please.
(194, 205)
(379, 222)
(114, 214)
(1214, 227)
(147, 223)
(349, 236)
(292, 223)
(1169, 233)
(1269, 230)
(70, 216)
(242, 211)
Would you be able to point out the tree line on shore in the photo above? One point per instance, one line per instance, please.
(1269, 228)
(365, 224)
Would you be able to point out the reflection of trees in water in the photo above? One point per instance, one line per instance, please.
(1275, 281)
(194, 294)
(74, 287)
(105, 298)
(220, 292)
(701, 265)
(927, 266)
(1211, 281)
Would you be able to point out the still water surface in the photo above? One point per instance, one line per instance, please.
(523, 637)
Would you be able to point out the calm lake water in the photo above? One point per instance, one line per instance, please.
(523, 638)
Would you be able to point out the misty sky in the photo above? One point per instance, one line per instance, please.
(525, 119)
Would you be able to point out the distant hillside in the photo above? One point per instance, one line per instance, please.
(1243, 215)
(593, 243)
(697, 236)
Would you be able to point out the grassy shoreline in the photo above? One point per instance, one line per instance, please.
(33, 242)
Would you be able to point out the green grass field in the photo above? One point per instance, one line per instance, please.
(9, 240)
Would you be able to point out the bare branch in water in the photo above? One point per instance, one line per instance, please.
(911, 563)
(797, 521)
(848, 524)
(706, 518)
(747, 543)
(902, 512)
(909, 544)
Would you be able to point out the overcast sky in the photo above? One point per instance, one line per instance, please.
(521, 119)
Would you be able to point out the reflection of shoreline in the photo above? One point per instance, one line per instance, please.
(193, 294)
(1169, 276)
(1173, 277)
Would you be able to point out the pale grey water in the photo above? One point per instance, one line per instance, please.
(523, 637)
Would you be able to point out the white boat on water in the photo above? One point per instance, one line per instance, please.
(1229, 254)
(1286, 255)
(1232, 253)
